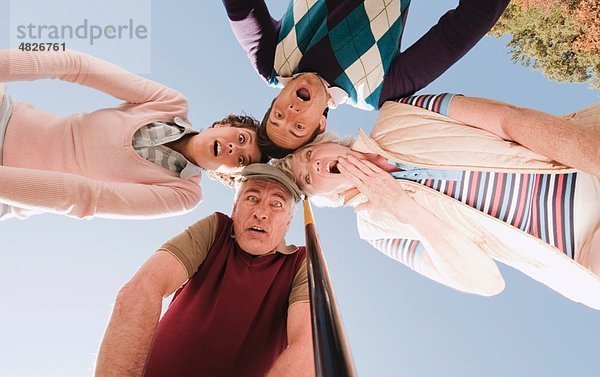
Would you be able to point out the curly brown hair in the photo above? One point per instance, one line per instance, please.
(241, 121)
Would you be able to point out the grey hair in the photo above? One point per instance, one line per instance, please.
(238, 183)
(285, 164)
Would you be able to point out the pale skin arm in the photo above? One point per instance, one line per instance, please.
(298, 357)
(83, 69)
(81, 197)
(128, 337)
(543, 133)
(464, 267)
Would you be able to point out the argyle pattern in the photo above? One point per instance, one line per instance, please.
(351, 45)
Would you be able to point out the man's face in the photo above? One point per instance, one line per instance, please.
(226, 149)
(261, 216)
(298, 111)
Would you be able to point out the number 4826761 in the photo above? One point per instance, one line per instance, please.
(42, 46)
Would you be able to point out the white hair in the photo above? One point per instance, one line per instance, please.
(285, 164)
(240, 182)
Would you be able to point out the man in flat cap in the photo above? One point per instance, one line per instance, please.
(241, 306)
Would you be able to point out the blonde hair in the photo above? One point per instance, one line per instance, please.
(285, 164)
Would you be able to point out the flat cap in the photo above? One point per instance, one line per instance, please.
(266, 171)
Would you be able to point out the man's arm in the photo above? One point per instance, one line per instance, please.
(136, 313)
(255, 30)
(444, 44)
(553, 137)
(298, 357)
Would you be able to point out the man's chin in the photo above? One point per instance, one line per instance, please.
(255, 246)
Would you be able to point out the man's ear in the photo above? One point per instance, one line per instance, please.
(322, 124)
(287, 226)
(291, 217)
(233, 210)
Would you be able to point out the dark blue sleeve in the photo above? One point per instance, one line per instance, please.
(256, 31)
(444, 44)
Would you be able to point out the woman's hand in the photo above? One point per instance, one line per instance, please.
(381, 189)
(451, 258)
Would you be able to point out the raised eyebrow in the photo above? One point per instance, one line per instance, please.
(251, 191)
(295, 134)
(280, 196)
(305, 174)
(276, 122)
(305, 160)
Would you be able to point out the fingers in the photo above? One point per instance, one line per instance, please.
(355, 170)
(365, 165)
(356, 176)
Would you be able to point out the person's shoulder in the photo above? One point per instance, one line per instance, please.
(222, 218)
(301, 251)
(209, 223)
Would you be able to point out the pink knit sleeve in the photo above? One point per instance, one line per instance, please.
(85, 70)
(82, 197)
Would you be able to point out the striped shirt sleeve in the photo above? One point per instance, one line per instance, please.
(408, 252)
(439, 103)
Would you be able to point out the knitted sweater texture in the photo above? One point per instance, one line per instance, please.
(83, 164)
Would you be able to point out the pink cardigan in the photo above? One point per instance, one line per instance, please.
(83, 165)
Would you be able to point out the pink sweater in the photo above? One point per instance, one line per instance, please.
(83, 165)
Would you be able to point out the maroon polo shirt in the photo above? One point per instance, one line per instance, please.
(230, 318)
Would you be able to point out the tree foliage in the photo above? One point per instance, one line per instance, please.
(561, 38)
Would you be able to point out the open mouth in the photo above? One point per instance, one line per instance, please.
(217, 148)
(332, 167)
(303, 94)
(257, 229)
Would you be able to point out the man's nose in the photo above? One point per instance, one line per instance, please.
(294, 107)
(261, 211)
(231, 148)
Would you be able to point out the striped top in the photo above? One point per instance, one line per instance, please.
(439, 103)
(538, 204)
(149, 142)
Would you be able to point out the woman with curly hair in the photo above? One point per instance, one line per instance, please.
(140, 159)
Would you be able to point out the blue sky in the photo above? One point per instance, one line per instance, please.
(60, 275)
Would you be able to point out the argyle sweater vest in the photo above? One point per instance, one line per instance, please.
(230, 318)
(351, 44)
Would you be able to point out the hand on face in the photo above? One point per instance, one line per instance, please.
(315, 169)
(297, 112)
(377, 185)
